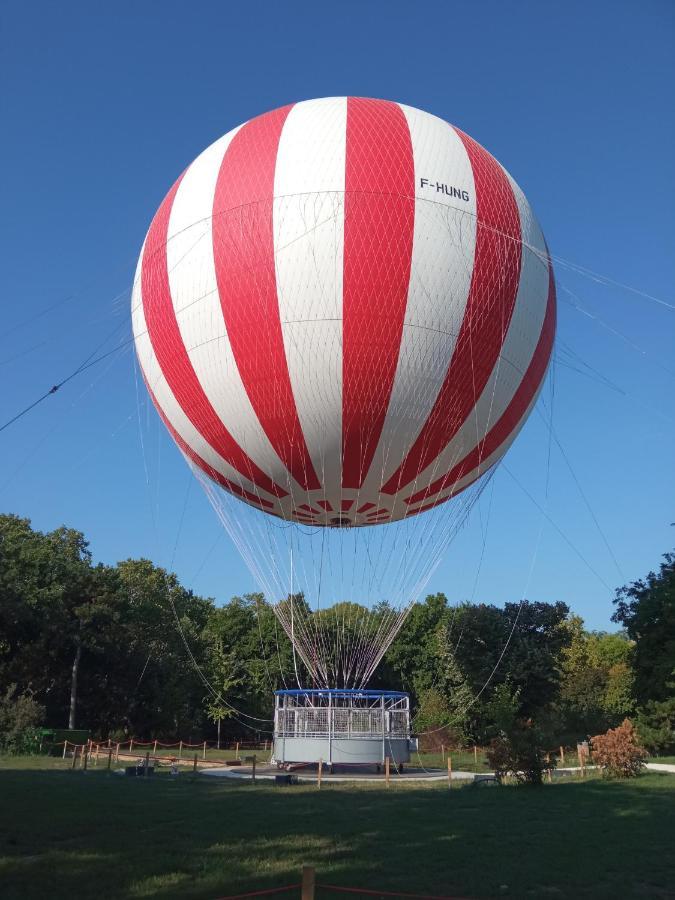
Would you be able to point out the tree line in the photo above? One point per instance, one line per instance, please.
(126, 650)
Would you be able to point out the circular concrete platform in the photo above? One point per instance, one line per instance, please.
(342, 774)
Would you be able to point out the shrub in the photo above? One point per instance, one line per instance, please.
(619, 752)
(20, 714)
(655, 724)
(432, 720)
(519, 752)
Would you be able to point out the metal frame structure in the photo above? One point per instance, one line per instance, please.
(341, 726)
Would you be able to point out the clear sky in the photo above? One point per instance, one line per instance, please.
(103, 105)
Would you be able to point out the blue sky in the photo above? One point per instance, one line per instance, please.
(103, 106)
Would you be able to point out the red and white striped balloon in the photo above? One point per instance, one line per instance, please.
(344, 311)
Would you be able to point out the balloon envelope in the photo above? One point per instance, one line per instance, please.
(344, 311)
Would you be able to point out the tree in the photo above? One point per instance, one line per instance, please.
(646, 609)
(596, 682)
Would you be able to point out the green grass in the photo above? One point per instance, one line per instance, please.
(662, 759)
(70, 834)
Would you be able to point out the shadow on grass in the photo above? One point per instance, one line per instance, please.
(68, 833)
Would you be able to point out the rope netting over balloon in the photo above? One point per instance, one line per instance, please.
(367, 468)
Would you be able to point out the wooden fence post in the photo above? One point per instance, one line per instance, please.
(308, 883)
(65, 745)
(154, 749)
(74, 756)
(386, 770)
(319, 772)
(449, 770)
(236, 750)
(110, 753)
(180, 750)
(204, 749)
(117, 752)
(475, 757)
(562, 756)
(131, 745)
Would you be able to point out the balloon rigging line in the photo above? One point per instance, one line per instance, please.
(55, 427)
(549, 425)
(533, 559)
(557, 528)
(571, 266)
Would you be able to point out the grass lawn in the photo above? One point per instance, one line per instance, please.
(70, 834)
(662, 759)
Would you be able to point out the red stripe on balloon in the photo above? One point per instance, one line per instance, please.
(214, 474)
(516, 409)
(378, 240)
(324, 504)
(173, 358)
(243, 247)
(492, 297)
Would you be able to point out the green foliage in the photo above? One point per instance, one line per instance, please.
(596, 681)
(142, 645)
(655, 724)
(646, 609)
(20, 715)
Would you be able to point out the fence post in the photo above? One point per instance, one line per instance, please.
(580, 757)
(308, 883)
(319, 772)
(98, 747)
(65, 745)
(562, 756)
(204, 749)
(131, 745)
(74, 756)
(236, 750)
(180, 750)
(449, 770)
(475, 757)
(154, 749)
(117, 752)
(109, 757)
(386, 770)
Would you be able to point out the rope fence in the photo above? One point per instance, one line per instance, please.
(309, 886)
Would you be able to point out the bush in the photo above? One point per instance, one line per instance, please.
(519, 752)
(619, 752)
(655, 724)
(20, 715)
(431, 720)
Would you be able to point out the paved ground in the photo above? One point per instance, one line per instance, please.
(367, 773)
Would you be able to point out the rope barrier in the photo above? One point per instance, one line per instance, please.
(279, 890)
(373, 893)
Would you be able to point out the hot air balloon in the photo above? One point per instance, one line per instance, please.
(344, 311)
